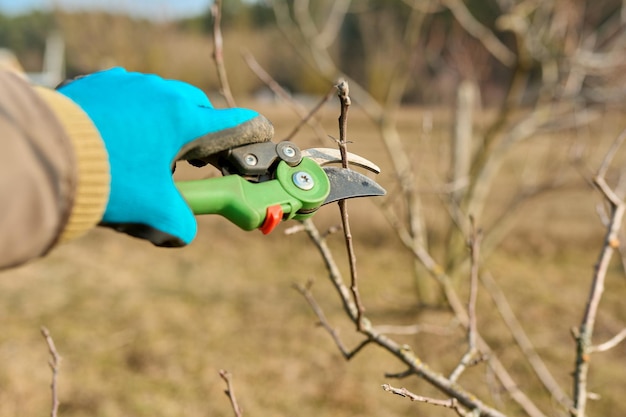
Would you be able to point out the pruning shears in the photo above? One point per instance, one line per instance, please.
(266, 183)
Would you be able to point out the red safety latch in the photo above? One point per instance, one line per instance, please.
(273, 217)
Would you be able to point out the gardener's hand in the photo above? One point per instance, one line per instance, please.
(147, 123)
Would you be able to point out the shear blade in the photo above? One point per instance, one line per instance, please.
(325, 156)
(345, 183)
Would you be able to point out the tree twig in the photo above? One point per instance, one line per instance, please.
(480, 32)
(611, 243)
(404, 352)
(305, 117)
(469, 357)
(450, 403)
(474, 246)
(218, 53)
(230, 392)
(343, 92)
(522, 340)
(305, 290)
(55, 364)
(609, 344)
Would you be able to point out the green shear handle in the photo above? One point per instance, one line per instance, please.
(295, 193)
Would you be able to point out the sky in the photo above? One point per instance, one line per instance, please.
(154, 9)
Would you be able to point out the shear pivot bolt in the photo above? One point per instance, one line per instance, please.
(289, 152)
(251, 160)
(303, 180)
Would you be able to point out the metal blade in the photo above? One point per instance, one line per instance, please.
(325, 156)
(345, 183)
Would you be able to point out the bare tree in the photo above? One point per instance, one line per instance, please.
(579, 65)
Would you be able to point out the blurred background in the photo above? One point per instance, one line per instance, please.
(173, 38)
(498, 108)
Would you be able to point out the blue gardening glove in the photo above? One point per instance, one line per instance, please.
(147, 123)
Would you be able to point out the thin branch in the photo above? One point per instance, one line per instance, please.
(55, 363)
(336, 16)
(450, 403)
(404, 353)
(305, 117)
(400, 375)
(437, 272)
(475, 239)
(469, 358)
(609, 344)
(522, 340)
(343, 92)
(323, 321)
(415, 329)
(230, 392)
(611, 242)
(608, 158)
(218, 53)
(321, 60)
(331, 266)
(480, 32)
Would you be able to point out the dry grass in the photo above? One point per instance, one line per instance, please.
(143, 331)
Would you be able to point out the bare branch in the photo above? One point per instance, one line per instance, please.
(608, 158)
(414, 329)
(611, 242)
(321, 58)
(343, 92)
(451, 403)
(306, 293)
(475, 239)
(55, 364)
(332, 268)
(400, 375)
(218, 54)
(480, 32)
(516, 329)
(472, 333)
(230, 392)
(437, 272)
(404, 353)
(305, 117)
(609, 344)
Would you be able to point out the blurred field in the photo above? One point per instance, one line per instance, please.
(143, 331)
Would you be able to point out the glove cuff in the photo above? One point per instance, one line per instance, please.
(93, 185)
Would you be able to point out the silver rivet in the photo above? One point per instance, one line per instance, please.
(303, 180)
(251, 159)
(289, 152)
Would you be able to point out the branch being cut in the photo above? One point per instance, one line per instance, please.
(343, 92)
(218, 53)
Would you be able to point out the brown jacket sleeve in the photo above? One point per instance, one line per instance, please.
(54, 171)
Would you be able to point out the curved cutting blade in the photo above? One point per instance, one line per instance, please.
(325, 156)
(345, 183)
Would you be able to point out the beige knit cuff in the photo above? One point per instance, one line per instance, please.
(93, 178)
